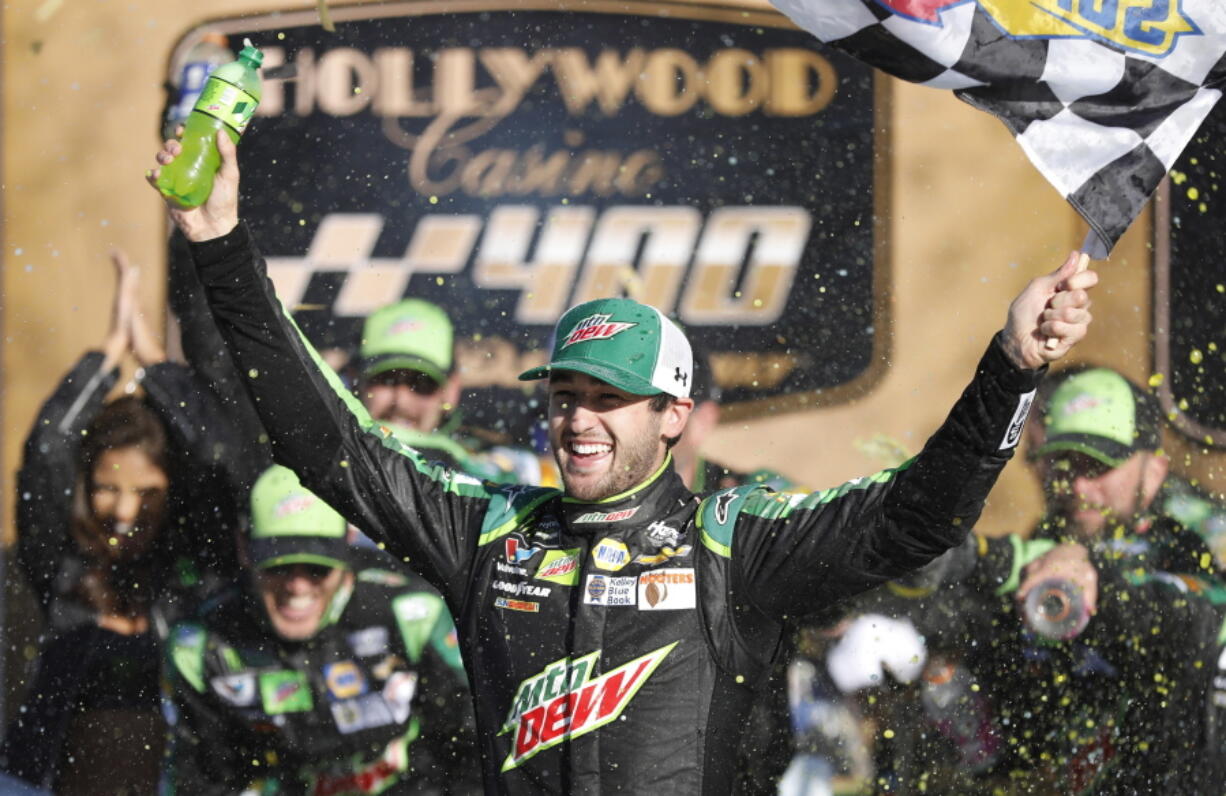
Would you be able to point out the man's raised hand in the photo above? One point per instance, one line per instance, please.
(219, 213)
(1050, 316)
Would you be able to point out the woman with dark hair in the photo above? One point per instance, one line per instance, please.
(125, 515)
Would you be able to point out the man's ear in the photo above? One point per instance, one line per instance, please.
(675, 417)
(451, 392)
(1153, 473)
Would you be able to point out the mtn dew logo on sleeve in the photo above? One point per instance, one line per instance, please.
(565, 701)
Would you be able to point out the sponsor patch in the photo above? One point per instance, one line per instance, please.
(374, 777)
(606, 516)
(610, 555)
(399, 692)
(560, 566)
(526, 606)
(663, 535)
(667, 590)
(507, 569)
(609, 590)
(285, 691)
(384, 668)
(518, 589)
(517, 550)
(1014, 433)
(368, 642)
(663, 554)
(363, 713)
(344, 680)
(235, 689)
(565, 701)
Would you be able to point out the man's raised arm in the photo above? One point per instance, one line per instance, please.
(420, 511)
(798, 554)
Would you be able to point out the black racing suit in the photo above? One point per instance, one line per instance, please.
(1118, 709)
(377, 691)
(612, 646)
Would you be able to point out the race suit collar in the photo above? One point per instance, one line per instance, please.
(657, 496)
(629, 493)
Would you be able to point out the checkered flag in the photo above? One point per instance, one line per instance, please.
(1102, 95)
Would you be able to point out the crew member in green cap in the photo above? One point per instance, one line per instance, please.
(618, 630)
(313, 677)
(1118, 702)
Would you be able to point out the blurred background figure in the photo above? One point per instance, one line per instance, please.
(698, 472)
(123, 509)
(316, 675)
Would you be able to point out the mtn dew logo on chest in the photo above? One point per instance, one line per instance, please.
(565, 701)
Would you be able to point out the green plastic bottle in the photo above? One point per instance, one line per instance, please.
(227, 102)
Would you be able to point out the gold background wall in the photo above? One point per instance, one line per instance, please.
(970, 222)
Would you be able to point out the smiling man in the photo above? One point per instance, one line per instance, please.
(615, 632)
(317, 677)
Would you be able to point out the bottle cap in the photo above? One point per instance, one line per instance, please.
(251, 54)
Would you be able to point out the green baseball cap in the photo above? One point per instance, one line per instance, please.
(291, 525)
(629, 345)
(1103, 415)
(409, 335)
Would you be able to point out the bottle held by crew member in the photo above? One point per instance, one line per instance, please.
(206, 55)
(227, 102)
(1055, 610)
(952, 702)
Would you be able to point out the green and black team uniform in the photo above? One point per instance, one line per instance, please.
(374, 702)
(339, 714)
(1121, 708)
(613, 646)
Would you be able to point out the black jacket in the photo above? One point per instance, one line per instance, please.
(611, 646)
(377, 691)
(196, 545)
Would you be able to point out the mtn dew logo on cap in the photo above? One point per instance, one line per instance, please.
(629, 345)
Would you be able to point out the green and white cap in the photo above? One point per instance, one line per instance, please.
(412, 334)
(629, 345)
(291, 525)
(1103, 415)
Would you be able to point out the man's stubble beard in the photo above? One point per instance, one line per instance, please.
(632, 464)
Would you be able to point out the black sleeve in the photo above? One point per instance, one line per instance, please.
(798, 554)
(206, 753)
(206, 353)
(211, 477)
(46, 481)
(430, 516)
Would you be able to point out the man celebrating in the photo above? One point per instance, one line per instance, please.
(615, 632)
(316, 679)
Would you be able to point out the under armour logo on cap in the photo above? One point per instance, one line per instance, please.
(681, 377)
